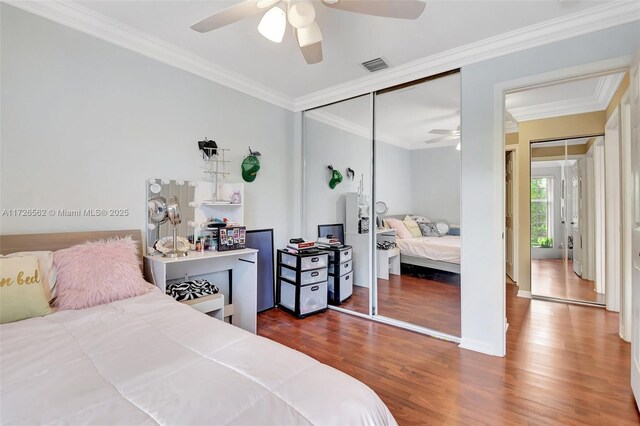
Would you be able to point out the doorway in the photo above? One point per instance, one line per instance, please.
(562, 202)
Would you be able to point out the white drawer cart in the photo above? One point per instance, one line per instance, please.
(242, 267)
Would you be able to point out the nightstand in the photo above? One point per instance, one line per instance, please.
(388, 260)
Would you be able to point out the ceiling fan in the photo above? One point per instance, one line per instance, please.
(445, 135)
(301, 14)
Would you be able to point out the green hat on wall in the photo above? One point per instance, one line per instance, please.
(250, 166)
(336, 178)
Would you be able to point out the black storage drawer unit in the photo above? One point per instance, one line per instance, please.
(340, 285)
(301, 287)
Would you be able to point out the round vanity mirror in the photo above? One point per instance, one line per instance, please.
(381, 208)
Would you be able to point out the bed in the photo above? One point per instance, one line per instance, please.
(152, 360)
(441, 253)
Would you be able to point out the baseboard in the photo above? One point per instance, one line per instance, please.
(525, 294)
(478, 346)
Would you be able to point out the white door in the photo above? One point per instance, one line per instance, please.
(509, 215)
(613, 269)
(599, 216)
(564, 244)
(576, 201)
(635, 167)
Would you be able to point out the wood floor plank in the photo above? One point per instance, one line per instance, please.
(564, 365)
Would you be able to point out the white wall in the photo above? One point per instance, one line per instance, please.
(483, 307)
(394, 185)
(84, 123)
(435, 178)
(324, 145)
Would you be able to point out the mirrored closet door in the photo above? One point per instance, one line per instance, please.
(337, 195)
(567, 212)
(417, 204)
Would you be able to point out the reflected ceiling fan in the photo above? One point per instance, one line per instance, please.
(301, 14)
(445, 136)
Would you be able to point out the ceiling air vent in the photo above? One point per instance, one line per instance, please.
(375, 65)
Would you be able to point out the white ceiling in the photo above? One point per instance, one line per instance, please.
(349, 39)
(571, 97)
(404, 117)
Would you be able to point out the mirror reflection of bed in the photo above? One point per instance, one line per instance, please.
(407, 201)
(417, 176)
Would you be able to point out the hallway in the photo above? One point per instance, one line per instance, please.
(555, 278)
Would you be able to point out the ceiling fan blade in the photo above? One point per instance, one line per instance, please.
(403, 9)
(228, 16)
(312, 53)
(444, 132)
(441, 139)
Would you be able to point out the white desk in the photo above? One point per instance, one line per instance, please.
(241, 264)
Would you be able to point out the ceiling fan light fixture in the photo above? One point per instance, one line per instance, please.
(302, 14)
(309, 35)
(263, 4)
(273, 24)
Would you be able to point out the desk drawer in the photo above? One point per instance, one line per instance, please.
(343, 268)
(312, 298)
(315, 261)
(206, 304)
(340, 256)
(306, 277)
(340, 288)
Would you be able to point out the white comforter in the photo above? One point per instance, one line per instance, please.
(444, 249)
(151, 360)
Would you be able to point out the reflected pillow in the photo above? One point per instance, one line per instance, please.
(430, 229)
(401, 229)
(443, 226)
(454, 230)
(412, 226)
(420, 219)
(22, 293)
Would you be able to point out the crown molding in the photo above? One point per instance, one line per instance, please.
(598, 101)
(556, 109)
(607, 87)
(587, 21)
(353, 128)
(90, 22)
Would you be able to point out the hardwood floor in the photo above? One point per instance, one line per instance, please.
(565, 364)
(424, 302)
(555, 278)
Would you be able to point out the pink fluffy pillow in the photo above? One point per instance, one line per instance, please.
(401, 229)
(98, 272)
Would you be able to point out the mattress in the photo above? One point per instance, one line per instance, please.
(444, 249)
(152, 360)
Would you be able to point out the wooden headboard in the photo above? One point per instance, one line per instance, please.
(57, 241)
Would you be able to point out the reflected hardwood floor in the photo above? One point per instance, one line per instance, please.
(418, 301)
(555, 278)
(565, 364)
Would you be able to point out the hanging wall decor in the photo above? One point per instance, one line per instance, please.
(209, 148)
(351, 174)
(250, 166)
(336, 177)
